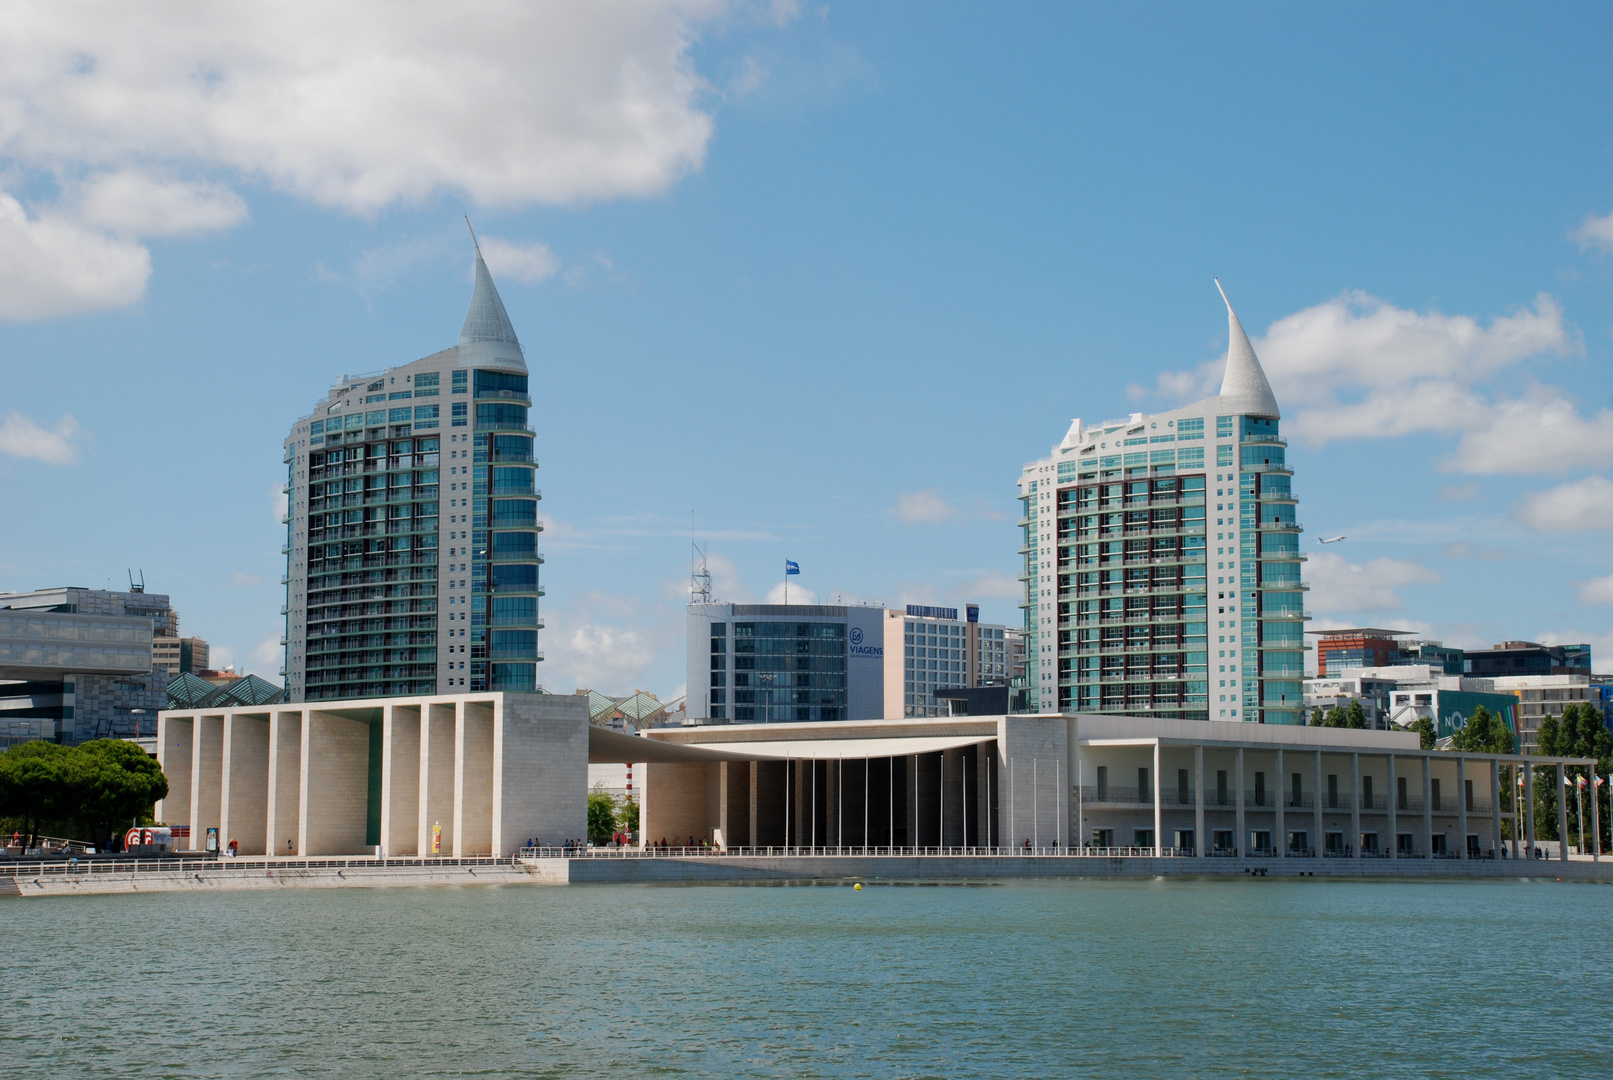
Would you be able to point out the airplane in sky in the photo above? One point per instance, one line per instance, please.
(1332, 539)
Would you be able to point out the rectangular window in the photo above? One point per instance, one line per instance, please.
(425, 378)
(354, 422)
(500, 415)
(1225, 426)
(398, 416)
(371, 399)
(375, 418)
(461, 379)
(426, 412)
(1162, 457)
(401, 395)
(1190, 429)
(459, 414)
(317, 427)
(1190, 457)
(496, 384)
(1223, 456)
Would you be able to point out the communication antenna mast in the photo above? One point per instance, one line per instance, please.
(699, 575)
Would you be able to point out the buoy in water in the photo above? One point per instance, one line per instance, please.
(857, 887)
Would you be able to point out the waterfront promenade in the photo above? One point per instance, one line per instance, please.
(558, 866)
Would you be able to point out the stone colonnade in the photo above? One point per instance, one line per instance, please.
(437, 776)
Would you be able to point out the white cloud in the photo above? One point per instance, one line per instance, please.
(50, 266)
(1594, 232)
(130, 203)
(1338, 585)
(357, 106)
(1596, 590)
(798, 594)
(1359, 367)
(267, 656)
(607, 643)
(928, 507)
(241, 579)
(21, 437)
(531, 263)
(1578, 505)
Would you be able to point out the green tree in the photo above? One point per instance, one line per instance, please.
(114, 785)
(1316, 716)
(36, 783)
(1581, 732)
(627, 818)
(1484, 733)
(1356, 716)
(601, 814)
(1335, 717)
(1424, 727)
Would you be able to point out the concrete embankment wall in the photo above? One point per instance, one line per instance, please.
(276, 877)
(967, 868)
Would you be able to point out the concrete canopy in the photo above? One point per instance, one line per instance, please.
(609, 746)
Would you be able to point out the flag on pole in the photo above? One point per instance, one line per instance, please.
(1567, 780)
(791, 567)
(1580, 780)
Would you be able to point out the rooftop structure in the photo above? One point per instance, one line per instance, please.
(1121, 523)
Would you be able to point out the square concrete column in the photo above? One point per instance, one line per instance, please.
(244, 800)
(1355, 804)
(285, 782)
(1495, 808)
(1316, 816)
(1159, 819)
(1200, 840)
(1428, 808)
(1280, 840)
(1562, 815)
(400, 779)
(207, 780)
(1239, 839)
(175, 735)
(1529, 810)
(438, 735)
(1393, 802)
(1461, 806)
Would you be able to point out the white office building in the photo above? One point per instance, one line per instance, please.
(1162, 564)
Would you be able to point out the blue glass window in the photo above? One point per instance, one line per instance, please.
(426, 412)
(398, 416)
(500, 415)
(514, 610)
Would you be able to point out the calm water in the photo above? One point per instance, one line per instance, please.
(1158, 978)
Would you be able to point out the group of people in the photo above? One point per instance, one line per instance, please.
(664, 845)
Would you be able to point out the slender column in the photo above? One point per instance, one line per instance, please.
(1495, 809)
(1199, 839)
(1596, 817)
(1562, 815)
(1428, 808)
(1394, 809)
(1355, 803)
(1461, 806)
(1238, 838)
(1080, 810)
(755, 801)
(1159, 839)
(1280, 840)
(1529, 810)
(1316, 814)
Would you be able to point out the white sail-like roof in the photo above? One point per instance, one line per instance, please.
(1244, 388)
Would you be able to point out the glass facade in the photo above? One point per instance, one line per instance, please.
(784, 671)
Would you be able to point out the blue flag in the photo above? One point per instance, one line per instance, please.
(791, 567)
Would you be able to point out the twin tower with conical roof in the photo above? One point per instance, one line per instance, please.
(1162, 562)
(412, 524)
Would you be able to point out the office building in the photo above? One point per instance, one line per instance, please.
(1527, 658)
(1339, 651)
(412, 531)
(1162, 563)
(769, 663)
(180, 656)
(76, 664)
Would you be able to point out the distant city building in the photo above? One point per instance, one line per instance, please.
(768, 663)
(1528, 658)
(177, 655)
(1339, 691)
(1340, 650)
(76, 664)
(216, 690)
(1121, 523)
(412, 529)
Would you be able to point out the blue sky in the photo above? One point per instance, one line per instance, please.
(824, 277)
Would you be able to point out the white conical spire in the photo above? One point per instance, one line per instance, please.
(1244, 388)
(486, 320)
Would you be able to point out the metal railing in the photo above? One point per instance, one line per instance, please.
(103, 867)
